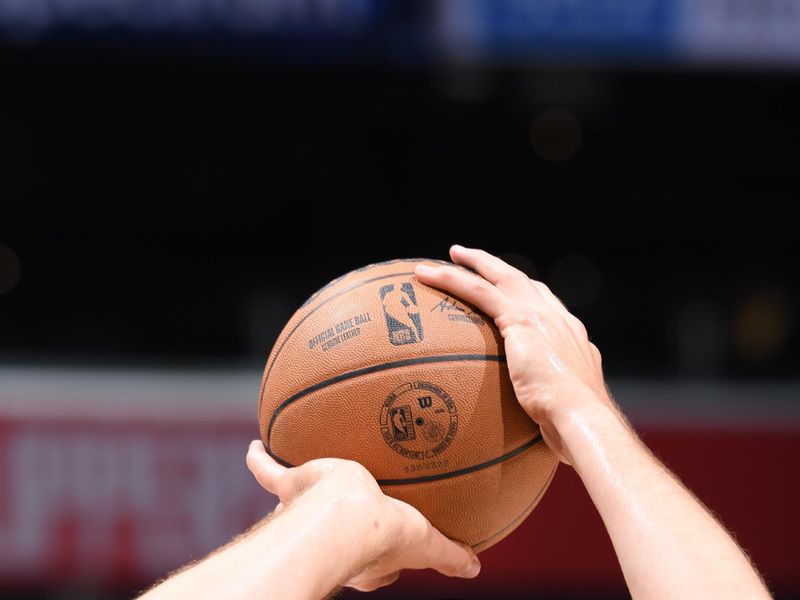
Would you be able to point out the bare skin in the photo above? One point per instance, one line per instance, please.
(667, 542)
(334, 527)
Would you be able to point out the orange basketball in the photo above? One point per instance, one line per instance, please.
(412, 383)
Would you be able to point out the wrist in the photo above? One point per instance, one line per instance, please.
(312, 546)
(587, 424)
(348, 529)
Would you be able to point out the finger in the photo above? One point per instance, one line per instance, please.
(470, 288)
(555, 303)
(549, 302)
(449, 557)
(299, 479)
(267, 472)
(491, 268)
(598, 358)
(549, 297)
(370, 585)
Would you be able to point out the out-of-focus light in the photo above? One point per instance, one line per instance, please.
(556, 135)
(762, 325)
(9, 269)
(27, 18)
(521, 262)
(576, 280)
(24, 19)
(738, 32)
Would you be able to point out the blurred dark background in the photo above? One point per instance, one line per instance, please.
(174, 184)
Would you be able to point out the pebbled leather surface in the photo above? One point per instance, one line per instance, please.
(381, 369)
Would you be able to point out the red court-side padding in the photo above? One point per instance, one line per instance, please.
(750, 479)
(118, 504)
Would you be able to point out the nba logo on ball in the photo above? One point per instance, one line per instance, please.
(402, 425)
(401, 313)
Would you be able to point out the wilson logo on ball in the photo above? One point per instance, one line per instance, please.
(401, 312)
(419, 434)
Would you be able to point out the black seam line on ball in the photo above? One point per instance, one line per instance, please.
(515, 521)
(374, 369)
(317, 307)
(484, 465)
(426, 478)
(308, 314)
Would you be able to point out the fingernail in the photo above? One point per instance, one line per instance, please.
(424, 269)
(457, 247)
(473, 569)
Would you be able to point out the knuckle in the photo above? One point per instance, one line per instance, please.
(541, 286)
(364, 586)
(580, 327)
(510, 275)
(378, 582)
(311, 469)
(530, 319)
(511, 271)
(518, 275)
(356, 471)
(349, 467)
(448, 273)
(480, 286)
(294, 486)
(451, 567)
(482, 254)
(315, 465)
(417, 528)
(505, 322)
(411, 529)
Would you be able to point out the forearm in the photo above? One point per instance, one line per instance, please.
(301, 553)
(668, 544)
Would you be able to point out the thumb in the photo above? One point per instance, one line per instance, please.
(266, 471)
(449, 557)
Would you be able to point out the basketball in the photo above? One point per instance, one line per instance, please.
(412, 383)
